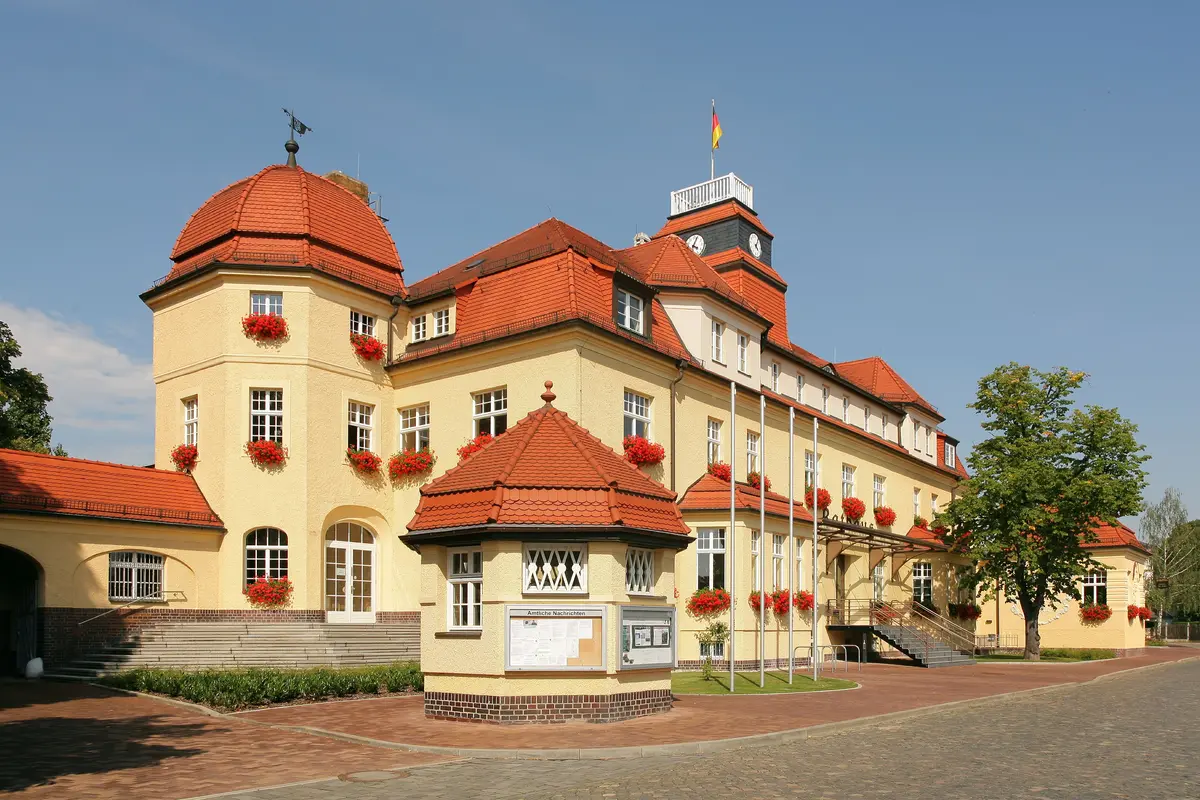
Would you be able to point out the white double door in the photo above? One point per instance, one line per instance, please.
(349, 581)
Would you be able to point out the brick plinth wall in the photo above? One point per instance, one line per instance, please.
(546, 708)
(719, 664)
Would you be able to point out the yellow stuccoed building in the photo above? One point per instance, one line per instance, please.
(677, 339)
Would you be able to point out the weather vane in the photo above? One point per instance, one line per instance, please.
(298, 129)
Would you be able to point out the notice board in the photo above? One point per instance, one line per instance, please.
(554, 638)
(647, 637)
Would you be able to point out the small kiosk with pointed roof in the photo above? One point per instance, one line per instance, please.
(547, 580)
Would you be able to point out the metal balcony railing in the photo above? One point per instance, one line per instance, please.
(725, 187)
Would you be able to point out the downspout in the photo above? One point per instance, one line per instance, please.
(680, 365)
(396, 301)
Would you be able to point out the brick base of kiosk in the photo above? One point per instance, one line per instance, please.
(546, 708)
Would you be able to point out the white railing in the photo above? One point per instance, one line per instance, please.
(726, 187)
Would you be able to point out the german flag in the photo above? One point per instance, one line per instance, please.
(716, 129)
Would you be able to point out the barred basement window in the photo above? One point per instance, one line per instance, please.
(556, 569)
(714, 650)
(135, 576)
(639, 571)
(266, 554)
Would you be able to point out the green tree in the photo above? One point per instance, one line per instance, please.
(1045, 476)
(1175, 546)
(24, 420)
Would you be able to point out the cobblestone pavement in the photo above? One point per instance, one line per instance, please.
(1130, 736)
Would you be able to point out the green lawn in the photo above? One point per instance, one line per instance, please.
(747, 683)
(1053, 654)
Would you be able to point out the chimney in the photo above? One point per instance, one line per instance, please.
(352, 185)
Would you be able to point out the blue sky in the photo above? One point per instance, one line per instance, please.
(950, 185)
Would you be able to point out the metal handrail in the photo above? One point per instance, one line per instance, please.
(160, 597)
(879, 612)
(958, 636)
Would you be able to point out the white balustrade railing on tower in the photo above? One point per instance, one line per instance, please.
(725, 187)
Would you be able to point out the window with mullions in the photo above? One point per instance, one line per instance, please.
(266, 303)
(466, 588)
(420, 328)
(774, 377)
(950, 456)
(363, 324)
(639, 571)
(414, 428)
(922, 580)
(751, 452)
(810, 469)
(629, 311)
(637, 415)
(755, 552)
(710, 558)
(845, 409)
(847, 481)
(777, 560)
(714, 441)
(266, 415)
(358, 426)
(743, 352)
(441, 322)
(491, 412)
(1095, 588)
(879, 492)
(718, 342)
(135, 576)
(916, 502)
(266, 554)
(191, 421)
(825, 400)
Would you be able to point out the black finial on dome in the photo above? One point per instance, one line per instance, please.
(291, 145)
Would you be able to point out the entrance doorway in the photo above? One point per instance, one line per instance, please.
(19, 576)
(349, 573)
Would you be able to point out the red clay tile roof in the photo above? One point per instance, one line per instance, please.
(768, 298)
(710, 214)
(1118, 535)
(740, 257)
(959, 469)
(710, 493)
(284, 215)
(547, 470)
(75, 487)
(669, 263)
(877, 377)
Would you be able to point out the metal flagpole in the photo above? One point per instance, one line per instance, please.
(791, 562)
(712, 171)
(731, 540)
(816, 610)
(762, 541)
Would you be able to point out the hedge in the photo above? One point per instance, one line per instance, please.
(233, 689)
(1079, 653)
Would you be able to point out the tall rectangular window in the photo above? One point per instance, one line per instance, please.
(950, 456)
(933, 505)
(743, 352)
(751, 452)
(879, 493)
(637, 415)
(845, 409)
(916, 436)
(799, 388)
(799, 584)
(922, 443)
(1095, 588)
(810, 470)
(360, 323)
(266, 303)
(414, 428)
(441, 322)
(867, 419)
(777, 574)
(629, 311)
(922, 579)
(916, 502)
(266, 415)
(714, 441)
(774, 377)
(490, 413)
(847, 481)
(358, 426)
(883, 427)
(718, 342)
(710, 558)
(420, 329)
(466, 588)
(191, 421)
(824, 399)
(755, 551)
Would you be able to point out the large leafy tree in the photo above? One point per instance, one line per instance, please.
(1046, 475)
(1175, 547)
(24, 420)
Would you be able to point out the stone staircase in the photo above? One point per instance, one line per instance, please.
(200, 645)
(921, 647)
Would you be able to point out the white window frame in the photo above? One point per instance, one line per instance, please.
(799, 388)
(753, 440)
(640, 574)
(710, 543)
(486, 408)
(266, 303)
(471, 601)
(848, 471)
(923, 447)
(845, 409)
(825, 400)
(630, 311)
(933, 506)
(441, 322)
(799, 585)
(136, 575)
(554, 568)
(420, 328)
(916, 502)
(950, 456)
(266, 415)
(718, 341)
(360, 425)
(362, 323)
(810, 469)
(867, 419)
(775, 377)
(922, 581)
(879, 491)
(777, 559)
(637, 414)
(414, 427)
(743, 353)
(714, 650)
(714, 440)
(191, 420)
(883, 426)
(268, 557)
(1091, 585)
(755, 549)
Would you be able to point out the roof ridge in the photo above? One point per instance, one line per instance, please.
(52, 457)
(560, 418)
(251, 182)
(535, 418)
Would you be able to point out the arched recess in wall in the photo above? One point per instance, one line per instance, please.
(351, 571)
(91, 580)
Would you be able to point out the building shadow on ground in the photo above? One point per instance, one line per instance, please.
(21, 693)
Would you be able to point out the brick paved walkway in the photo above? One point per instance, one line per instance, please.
(885, 688)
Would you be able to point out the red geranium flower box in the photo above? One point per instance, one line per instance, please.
(265, 327)
(1094, 613)
(804, 600)
(756, 601)
(266, 453)
(410, 462)
(884, 516)
(185, 457)
(364, 461)
(823, 498)
(1145, 613)
(920, 522)
(368, 348)
(640, 450)
(754, 479)
(720, 470)
(474, 446)
(269, 592)
(1134, 612)
(707, 602)
(853, 508)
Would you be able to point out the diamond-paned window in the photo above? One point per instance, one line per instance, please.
(639, 571)
(556, 569)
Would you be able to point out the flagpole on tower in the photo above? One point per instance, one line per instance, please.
(712, 153)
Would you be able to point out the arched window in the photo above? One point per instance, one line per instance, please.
(266, 554)
(349, 532)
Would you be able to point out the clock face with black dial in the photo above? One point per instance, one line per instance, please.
(696, 242)
(755, 246)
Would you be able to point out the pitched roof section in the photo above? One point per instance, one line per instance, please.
(709, 215)
(284, 215)
(1119, 535)
(710, 493)
(959, 468)
(547, 470)
(726, 259)
(78, 488)
(669, 263)
(877, 377)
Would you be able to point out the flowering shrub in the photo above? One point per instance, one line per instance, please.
(364, 461)
(269, 592)
(185, 457)
(368, 348)
(966, 611)
(823, 498)
(707, 602)
(265, 327)
(754, 479)
(639, 450)
(1094, 613)
(1145, 613)
(266, 453)
(920, 522)
(474, 446)
(410, 462)
(804, 601)
(884, 516)
(853, 508)
(720, 470)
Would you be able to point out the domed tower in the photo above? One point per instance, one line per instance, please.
(271, 333)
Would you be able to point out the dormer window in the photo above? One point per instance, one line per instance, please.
(441, 322)
(420, 329)
(951, 455)
(629, 311)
